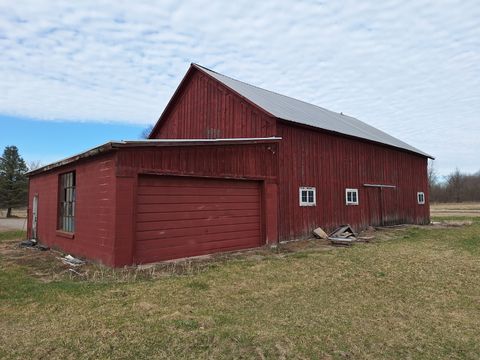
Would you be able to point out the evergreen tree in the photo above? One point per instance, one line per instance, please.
(13, 181)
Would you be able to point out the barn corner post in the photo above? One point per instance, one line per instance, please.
(270, 212)
(125, 194)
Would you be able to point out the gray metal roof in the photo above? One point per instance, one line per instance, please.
(287, 108)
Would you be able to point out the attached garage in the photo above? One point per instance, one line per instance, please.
(188, 216)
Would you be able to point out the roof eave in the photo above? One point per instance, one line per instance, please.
(114, 145)
(336, 133)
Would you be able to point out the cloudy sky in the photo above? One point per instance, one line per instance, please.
(105, 69)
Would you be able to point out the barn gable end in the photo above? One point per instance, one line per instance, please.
(203, 108)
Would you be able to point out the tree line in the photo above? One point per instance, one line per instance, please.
(13, 179)
(456, 187)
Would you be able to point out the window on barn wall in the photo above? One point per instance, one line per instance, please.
(66, 206)
(421, 198)
(351, 196)
(307, 196)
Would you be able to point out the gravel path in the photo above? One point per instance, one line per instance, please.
(13, 224)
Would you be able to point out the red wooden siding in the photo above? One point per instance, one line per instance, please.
(246, 162)
(332, 163)
(94, 209)
(182, 216)
(252, 161)
(205, 108)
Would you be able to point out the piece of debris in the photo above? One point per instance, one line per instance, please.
(42, 247)
(28, 243)
(343, 235)
(365, 238)
(319, 233)
(457, 223)
(75, 272)
(72, 261)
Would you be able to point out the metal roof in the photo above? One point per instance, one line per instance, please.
(290, 109)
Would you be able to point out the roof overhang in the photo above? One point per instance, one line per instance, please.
(114, 145)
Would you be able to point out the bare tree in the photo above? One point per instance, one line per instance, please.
(34, 165)
(146, 132)
(432, 175)
(455, 182)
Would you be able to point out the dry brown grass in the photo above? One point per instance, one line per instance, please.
(470, 209)
(412, 293)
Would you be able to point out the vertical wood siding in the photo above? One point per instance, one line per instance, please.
(249, 161)
(333, 163)
(205, 108)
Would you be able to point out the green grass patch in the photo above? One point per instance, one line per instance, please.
(198, 285)
(12, 234)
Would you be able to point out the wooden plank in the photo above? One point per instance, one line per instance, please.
(153, 208)
(195, 232)
(249, 237)
(195, 223)
(200, 198)
(192, 215)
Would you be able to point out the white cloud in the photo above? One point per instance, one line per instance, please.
(409, 68)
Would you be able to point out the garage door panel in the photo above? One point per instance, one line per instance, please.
(196, 199)
(196, 223)
(173, 252)
(192, 215)
(186, 181)
(153, 208)
(152, 245)
(195, 231)
(182, 216)
(195, 190)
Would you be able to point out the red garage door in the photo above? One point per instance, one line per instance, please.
(181, 216)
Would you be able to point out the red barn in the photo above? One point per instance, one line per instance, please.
(228, 166)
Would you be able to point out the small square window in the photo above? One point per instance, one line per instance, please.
(307, 196)
(420, 198)
(351, 196)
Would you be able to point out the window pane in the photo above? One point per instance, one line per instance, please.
(349, 196)
(354, 197)
(310, 196)
(66, 206)
(304, 196)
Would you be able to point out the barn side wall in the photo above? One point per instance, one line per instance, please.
(331, 164)
(204, 108)
(94, 210)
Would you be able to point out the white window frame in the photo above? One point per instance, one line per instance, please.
(307, 189)
(350, 202)
(420, 202)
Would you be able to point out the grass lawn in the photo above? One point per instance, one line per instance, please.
(412, 293)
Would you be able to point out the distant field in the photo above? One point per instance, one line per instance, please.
(455, 209)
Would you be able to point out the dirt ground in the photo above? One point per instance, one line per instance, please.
(455, 209)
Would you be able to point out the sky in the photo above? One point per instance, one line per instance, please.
(75, 74)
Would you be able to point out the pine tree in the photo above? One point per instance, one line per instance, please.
(13, 181)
